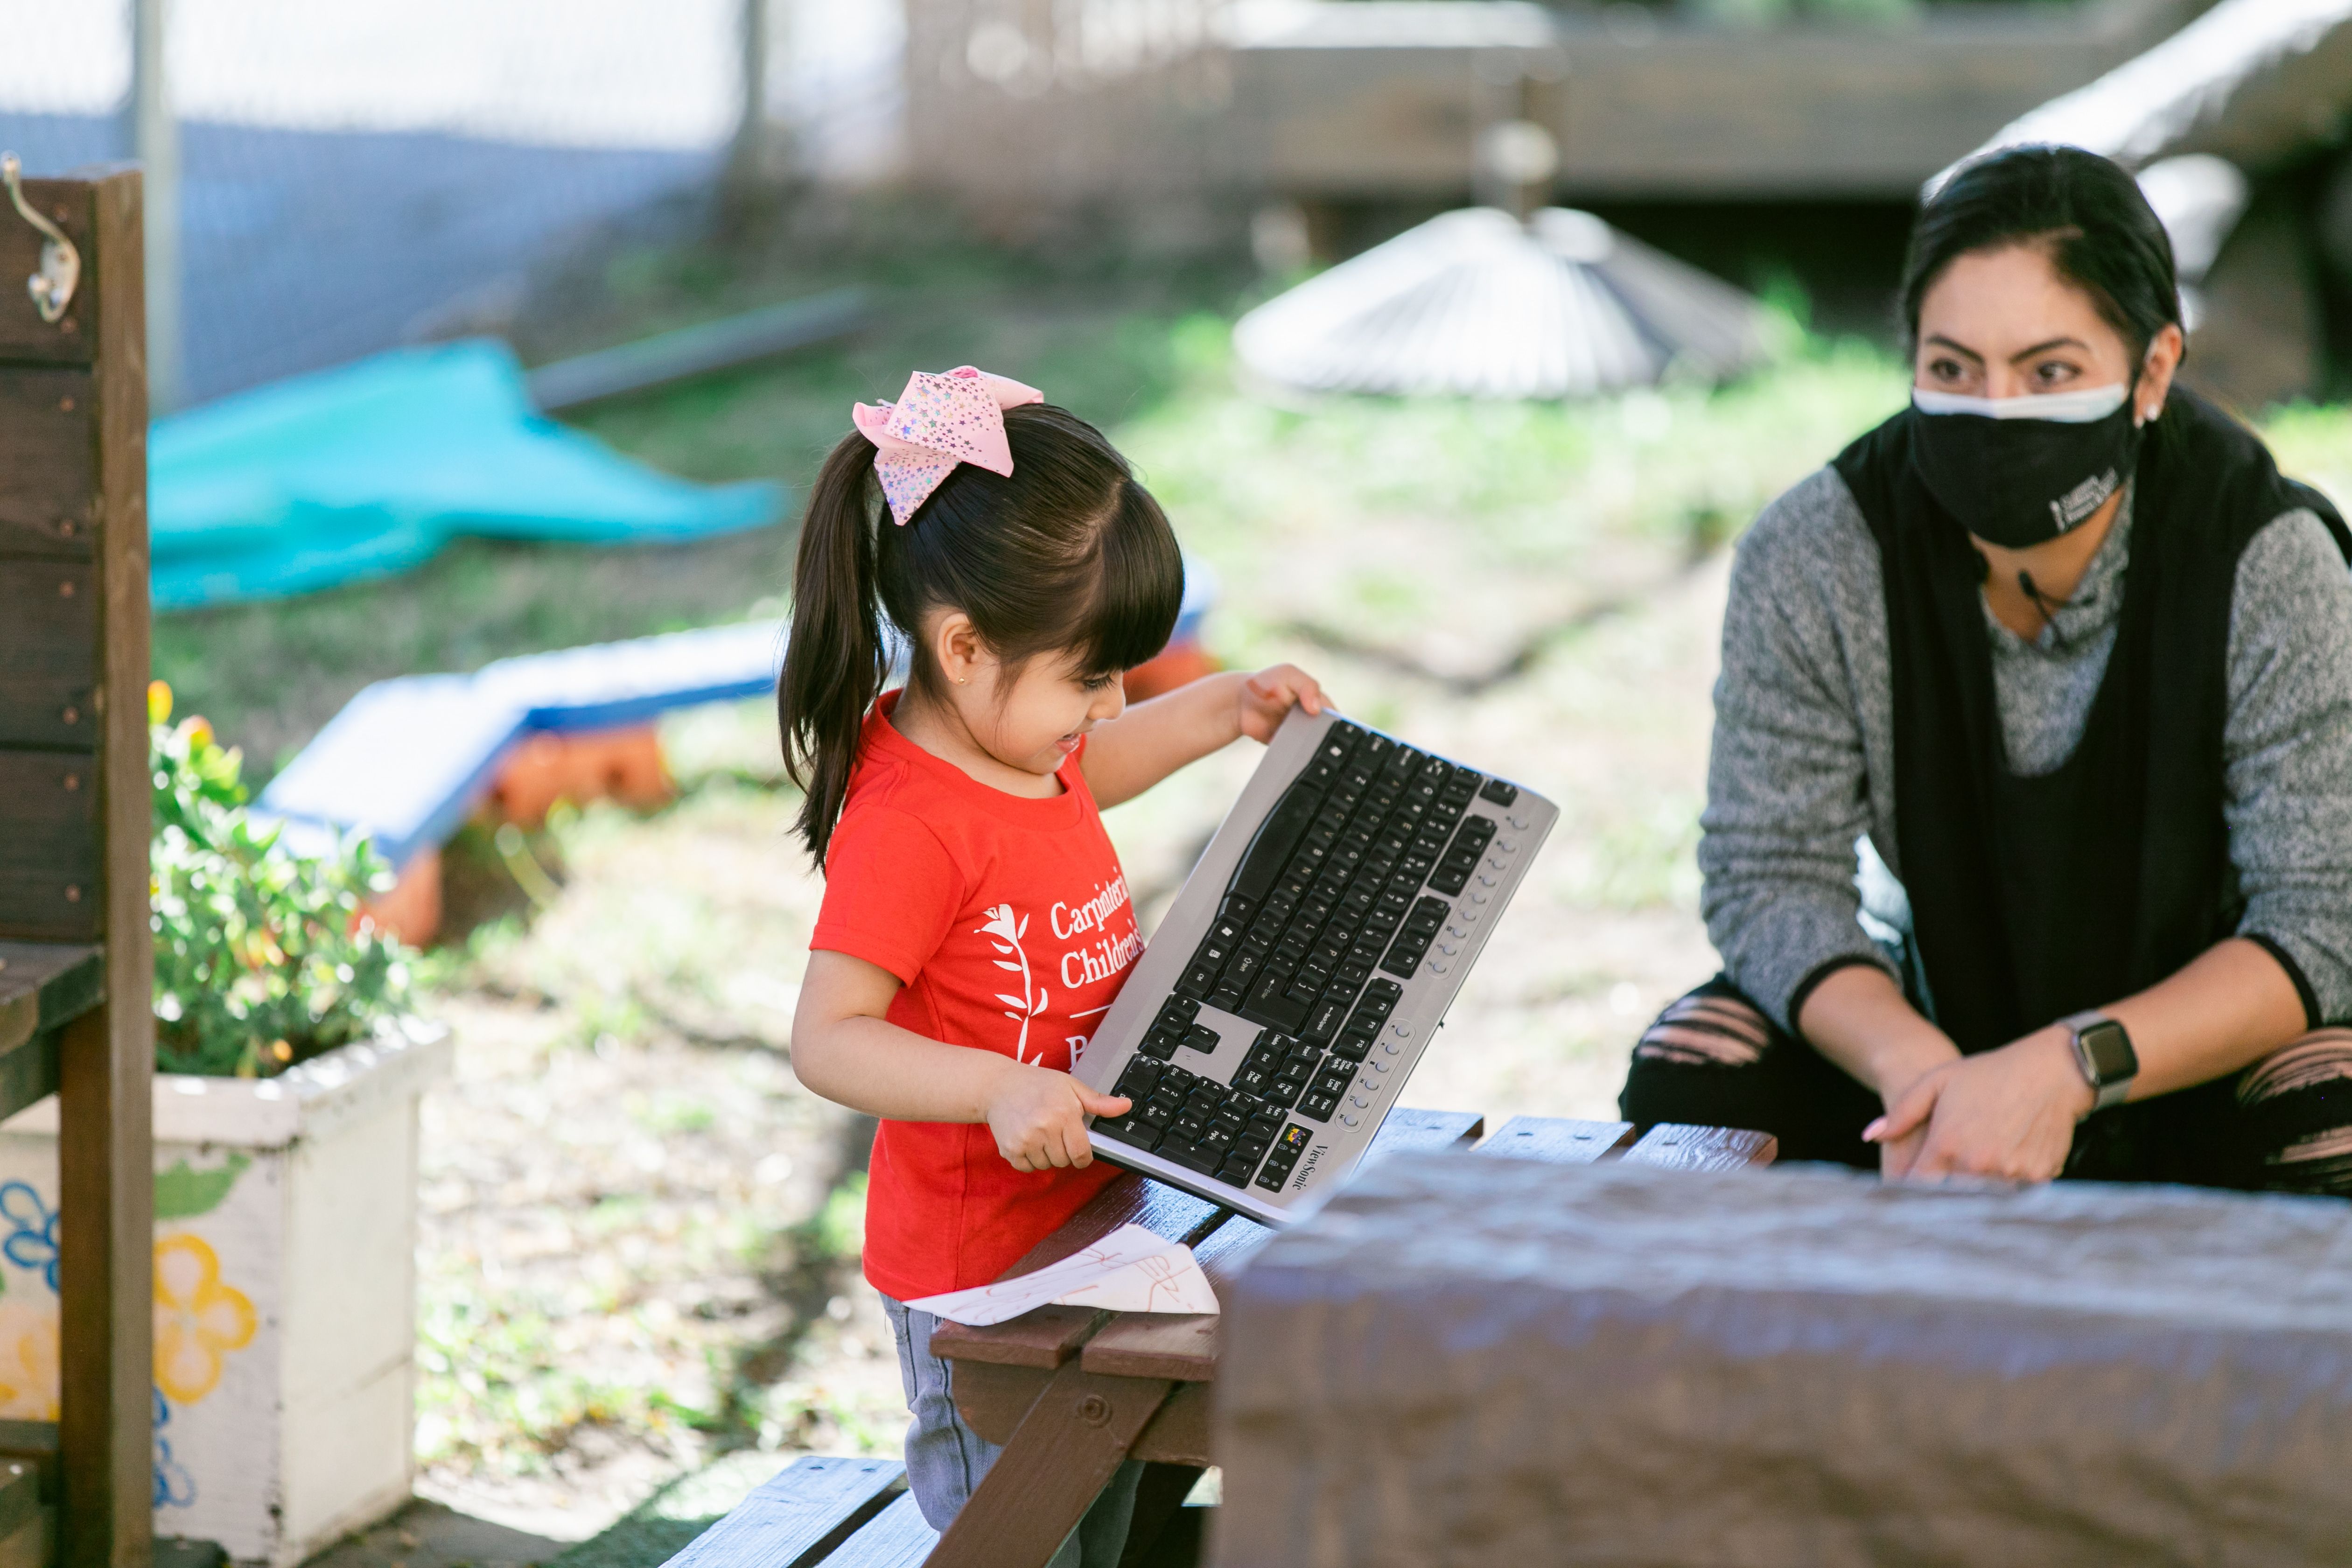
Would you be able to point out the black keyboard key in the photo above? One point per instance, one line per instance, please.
(1257, 1080)
(1130, 1130)
(1318, 1107)
(1198, 982)
(1227, 996)
(1237, 909)
(1323, 1023)
(1380, 998)
(1266, 1005)
(1178, 1010)
(1451, 880)
(1159, 1112)
(1234, 1172)
(1142, 1076)
(1498, 792)
(1405, 956)
(1159, 1045)
(1427, 915)
(1188, 1125)
(1351, 1047)
(1285, 1095)
(1240, 973)
(1192, 1157)
(1294, 1071)
(1200, 1037)
(1270, 848)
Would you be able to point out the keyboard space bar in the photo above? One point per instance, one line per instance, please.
(1270, 849)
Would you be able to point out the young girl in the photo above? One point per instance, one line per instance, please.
(976, 925)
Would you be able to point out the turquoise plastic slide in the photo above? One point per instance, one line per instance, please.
(367, 469)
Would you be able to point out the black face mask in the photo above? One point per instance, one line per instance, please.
(2021, 480)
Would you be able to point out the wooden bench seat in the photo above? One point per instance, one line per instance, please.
(807, 1513)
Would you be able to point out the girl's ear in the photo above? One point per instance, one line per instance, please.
(956, 644)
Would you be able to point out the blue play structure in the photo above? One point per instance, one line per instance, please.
(367, 469)
(406, 760)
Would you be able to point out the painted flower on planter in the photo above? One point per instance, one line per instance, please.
(175, 1488)
(32, 1231)
(198, 1319)
(28, 1361)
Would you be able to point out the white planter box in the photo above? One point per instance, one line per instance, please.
(286, 1293)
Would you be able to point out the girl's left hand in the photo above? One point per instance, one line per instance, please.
(1267, 699)
(2007, 1114)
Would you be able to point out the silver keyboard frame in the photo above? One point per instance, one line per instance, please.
(1337, 1145)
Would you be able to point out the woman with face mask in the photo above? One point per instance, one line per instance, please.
(2069, 663)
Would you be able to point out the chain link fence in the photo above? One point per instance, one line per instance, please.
(365, 172)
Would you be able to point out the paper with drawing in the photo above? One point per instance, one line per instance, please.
(1129, 1270)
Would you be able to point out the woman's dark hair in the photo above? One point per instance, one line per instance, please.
(1067, 555)
(2083, 210)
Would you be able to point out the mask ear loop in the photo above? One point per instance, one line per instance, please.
(2141, 417)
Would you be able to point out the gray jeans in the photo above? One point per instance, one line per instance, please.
(946, 1458)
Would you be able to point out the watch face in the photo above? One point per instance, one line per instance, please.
(2106, 1052)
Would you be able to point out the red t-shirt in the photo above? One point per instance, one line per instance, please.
(1008, 922)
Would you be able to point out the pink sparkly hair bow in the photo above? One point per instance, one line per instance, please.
(938, 421)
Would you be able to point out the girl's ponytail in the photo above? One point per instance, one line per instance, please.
(835, 659)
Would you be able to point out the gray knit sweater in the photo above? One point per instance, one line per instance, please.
(1803, 766)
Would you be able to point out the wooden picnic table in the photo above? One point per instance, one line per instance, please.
(1072, 1393)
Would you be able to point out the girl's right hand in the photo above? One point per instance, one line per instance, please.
(1039, 1118)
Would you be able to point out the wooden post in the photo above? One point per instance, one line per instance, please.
(73, 539)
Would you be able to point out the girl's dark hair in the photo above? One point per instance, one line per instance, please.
(2085, 210)
(1068, 555)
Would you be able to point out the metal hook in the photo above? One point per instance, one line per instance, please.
(52, 288)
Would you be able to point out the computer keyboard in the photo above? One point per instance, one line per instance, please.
(1305, 966)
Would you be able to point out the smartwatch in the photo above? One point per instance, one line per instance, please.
(2102, 1049)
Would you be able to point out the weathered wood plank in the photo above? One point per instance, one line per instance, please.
(1556, 1140)
(48, 452)
(798, 1517)
(71, 205)
(49, 657)
(898, 1538)
(1065, 1448)
(1178, 1435)
(41, 989)
(44, 984)
(1411, 1127)
(994, 1399)
(1671, 1146)
(1048, 1336)
(106, 1063)
(49, 870)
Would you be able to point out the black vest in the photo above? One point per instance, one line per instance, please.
(2031, 898)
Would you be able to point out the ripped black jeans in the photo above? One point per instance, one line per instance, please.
(2283, 1124)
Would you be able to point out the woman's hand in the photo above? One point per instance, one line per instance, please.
(1039, 1117)
(2007, 1114)
(1266, 698)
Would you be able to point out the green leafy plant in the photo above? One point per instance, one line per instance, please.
(264, 957)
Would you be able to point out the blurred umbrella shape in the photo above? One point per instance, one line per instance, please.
(1477, 304)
